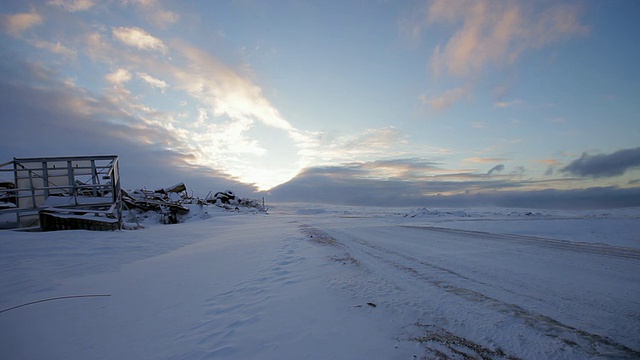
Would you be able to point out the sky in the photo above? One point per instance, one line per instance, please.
(363, 102)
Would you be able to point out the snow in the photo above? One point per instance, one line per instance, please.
(319, 282)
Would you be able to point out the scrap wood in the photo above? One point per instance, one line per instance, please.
(154, 203)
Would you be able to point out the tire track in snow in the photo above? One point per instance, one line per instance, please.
(588, 248)
(592, 344)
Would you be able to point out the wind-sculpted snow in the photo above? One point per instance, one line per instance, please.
(321, 282)
(469, 289)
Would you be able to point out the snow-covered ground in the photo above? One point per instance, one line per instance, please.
(320, 282)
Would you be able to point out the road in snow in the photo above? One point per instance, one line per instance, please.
(328, 283)
(504, 290)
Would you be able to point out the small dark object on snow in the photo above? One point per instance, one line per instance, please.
(369, 303)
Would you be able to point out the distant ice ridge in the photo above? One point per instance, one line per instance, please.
(426, 212)
(523, 213)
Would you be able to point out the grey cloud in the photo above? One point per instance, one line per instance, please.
(497, 168)
(590, 198)
(604, 165)
(338, 185)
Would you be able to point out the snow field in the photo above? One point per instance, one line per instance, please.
(327, 282)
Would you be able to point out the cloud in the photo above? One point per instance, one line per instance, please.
(497, 168)
(164, 17)
(234, 106)
(369, 141)
(404, 165)
(485, 160)
(233, 103)
(506, 104)
(73, 5)
(589, 198)
(56, 48)
(72, 121)
(415, 175)
(497, 32)
(225, 90)
(345, 185)
(98, 48)
(153, 11)
(19, 23)
(138, 38)
(368, 146)
(154, 82)
(405, 169)
(552, 164)
(228, 107)
(118, 77)
(604, 165)
(447, 99)
(237, 105)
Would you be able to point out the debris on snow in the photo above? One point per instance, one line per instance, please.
(174, 205)
(157, 201)
(7, 197)
(229, 201)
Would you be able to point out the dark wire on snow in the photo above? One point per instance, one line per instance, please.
(54, 298)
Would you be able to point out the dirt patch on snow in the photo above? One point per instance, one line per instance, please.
(318, 236)
(442, 344)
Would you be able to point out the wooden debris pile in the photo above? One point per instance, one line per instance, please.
(159, 201)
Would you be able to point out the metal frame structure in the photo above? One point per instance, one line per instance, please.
(74, 185)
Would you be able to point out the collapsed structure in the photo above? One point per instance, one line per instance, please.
(159, 201)
(84, 192)
(58, 193)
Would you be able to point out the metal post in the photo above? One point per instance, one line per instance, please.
(94, 175)
(71, 181)
(17, 186)
(45, 179)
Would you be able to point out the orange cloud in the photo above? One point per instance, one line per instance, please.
(484, 160)
(550, 162)
(447, 99)
(497, 32)
(19, 23)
